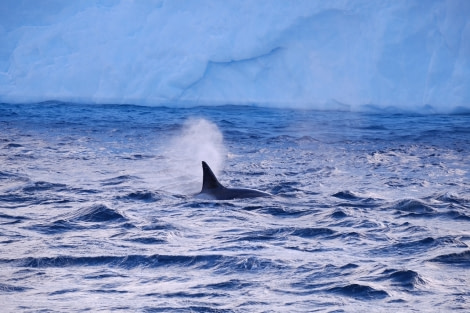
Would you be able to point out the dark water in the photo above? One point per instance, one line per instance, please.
(370, 212)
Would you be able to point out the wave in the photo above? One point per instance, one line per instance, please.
(219, 263)
(118, 180)
(44, 186)
(74, 221)
(413, 207)
(360, 292)
(95, 213)
(28, 193)
(283, 233)
(146, 196)
(56, 227)
(339, 214)
(460, 259)
(13, 200)
(130, 261)
(12, 288)
(146, 240)
(443, 206)
(407, 279)
(14, 218)
(184, 309)
(6, 175)
(346, 195)
(411, 247)
(277, 210)
(451, 198)
(356, 199)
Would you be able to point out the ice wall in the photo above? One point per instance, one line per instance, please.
(349, 54)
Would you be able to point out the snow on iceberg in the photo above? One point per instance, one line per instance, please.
(348, 54)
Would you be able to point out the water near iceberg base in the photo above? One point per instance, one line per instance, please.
(371, 212)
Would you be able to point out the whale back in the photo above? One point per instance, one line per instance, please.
(213, 190)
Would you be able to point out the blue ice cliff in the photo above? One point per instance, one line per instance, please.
(349, 54)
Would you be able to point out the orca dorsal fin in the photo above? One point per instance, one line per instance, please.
(209, 181)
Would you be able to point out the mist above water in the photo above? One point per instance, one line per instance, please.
(198, 140)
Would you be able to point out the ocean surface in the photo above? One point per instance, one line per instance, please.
(370, 211)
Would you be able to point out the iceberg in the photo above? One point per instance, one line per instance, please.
(342, 54)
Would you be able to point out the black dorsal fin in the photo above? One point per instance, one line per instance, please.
(209, 181)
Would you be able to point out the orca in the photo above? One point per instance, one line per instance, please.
(213, 190)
